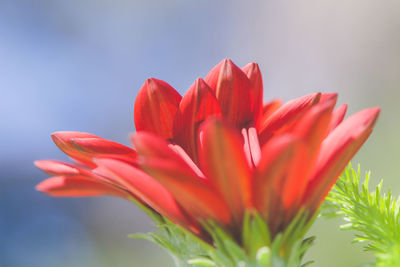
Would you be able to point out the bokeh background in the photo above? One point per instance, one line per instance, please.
(78, 65)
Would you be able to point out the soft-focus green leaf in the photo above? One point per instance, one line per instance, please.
(373, 215)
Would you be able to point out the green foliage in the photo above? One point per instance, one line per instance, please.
(257, 249)
(373, 215)
(181, 244)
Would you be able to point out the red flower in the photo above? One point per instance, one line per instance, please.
(216, 152)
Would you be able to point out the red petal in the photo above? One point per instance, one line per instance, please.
(233, 91)
(254, 74)
(290, 111)
(197, 104)
(62, 169)
(311, 130)
(276, 164)
(336, 151)
(224, 163)
(286, 115)
(155, 108)
(145, 188)
(269, 108)
(55, 167)
(192, 192)
(150, 145)
(59, 168)
(314, 124)
(328, 97)
(179, 150)
(337, 117)
(77, 186)
(83, 147)
(251, 146)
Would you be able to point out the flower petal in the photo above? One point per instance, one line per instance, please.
(77, 186)
(55, 167)
(195, 195)
(254, 74)
(223, 161)
(83, 147)
(314, 124)
(70, 171)
(232, 88)
(311, 130)
(269, 108)
(251, 146)
(155, 108)
(276, 164)
(337, 117)
(145, 188)
(336, 151)
(197, 104)
(283, 118)
(328, 97)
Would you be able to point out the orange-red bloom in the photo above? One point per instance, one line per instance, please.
(216, 152)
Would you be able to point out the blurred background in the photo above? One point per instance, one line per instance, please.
(78, 65)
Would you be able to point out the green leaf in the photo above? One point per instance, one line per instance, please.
(204, 262)
(374, 216)
(255, 234)
(253, 248)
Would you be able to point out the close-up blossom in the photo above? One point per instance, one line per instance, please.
(217, 152)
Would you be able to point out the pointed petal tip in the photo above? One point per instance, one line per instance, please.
(61, 134)
(37, 163)
(229, 62)
(67, 135)
(316, 97)
(155, 107)
(328, 97)
(375, 111)
(225, 63)
(41, 187)
(337, 116)
(310, 99)
(367, 117)
(331, 95)
(46, 186)
(337, 150)
(197, 104)
(198, 83)
(41, 164)
(77, 186)
(251, 67)
(372, 115)
(288, 113)
(232, 89)
(151, 83)
(56, 136)
(55, 167)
